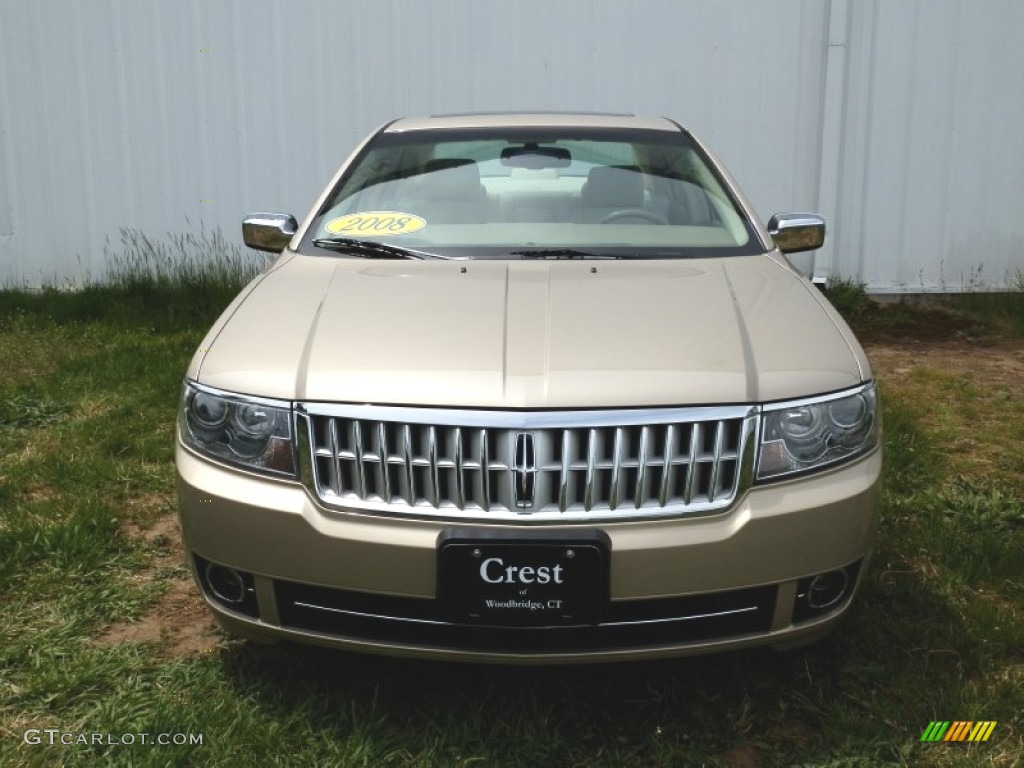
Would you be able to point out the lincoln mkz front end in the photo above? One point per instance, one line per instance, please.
(532, 536)
(480, 417)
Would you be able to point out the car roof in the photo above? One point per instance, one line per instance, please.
(532, 120)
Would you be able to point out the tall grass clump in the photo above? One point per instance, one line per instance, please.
(190, 273)
(182, 280)
(935, 317)
(849, 298)
(1003, 310)
(202, 260)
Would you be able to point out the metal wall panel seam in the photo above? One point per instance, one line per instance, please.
(48, 171)
(833, 134)
(870, 9)
(201, 189)
(9, 219)
(167, 191)
(86, 142)
(239, 91)
(127, 195)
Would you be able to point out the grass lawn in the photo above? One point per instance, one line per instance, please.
(101, 633)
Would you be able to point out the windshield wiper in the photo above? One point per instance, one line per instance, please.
(370, 249)
(560, 253)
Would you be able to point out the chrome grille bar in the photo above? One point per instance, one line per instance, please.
(613, 492)
(666, 465)
(589, 465)
(716, 463)
(563, 483)
(410, 477)
(460, 478)
(691, 466)
(435, 491)
(382, 447)
(485, 472)
(335, 455)
(588, 495)
(641, 470)
(357, 447)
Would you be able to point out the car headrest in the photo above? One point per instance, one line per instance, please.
(614, 186)
(453, 178)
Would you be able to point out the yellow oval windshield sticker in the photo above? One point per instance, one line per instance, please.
(375, 224)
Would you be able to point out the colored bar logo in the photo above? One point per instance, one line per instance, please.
(958, 730)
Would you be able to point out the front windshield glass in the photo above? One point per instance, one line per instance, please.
(504, 193)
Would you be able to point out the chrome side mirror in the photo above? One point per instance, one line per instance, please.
(795, 232)
(268, 231)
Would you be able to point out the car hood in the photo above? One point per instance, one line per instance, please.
(531, 334)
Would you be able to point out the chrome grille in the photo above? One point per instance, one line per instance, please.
(494, 465)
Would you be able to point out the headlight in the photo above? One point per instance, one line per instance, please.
(808, 434)
(253, 432)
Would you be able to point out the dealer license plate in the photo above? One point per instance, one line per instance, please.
(522, 583)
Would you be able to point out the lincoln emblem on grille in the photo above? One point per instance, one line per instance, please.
(524, 471)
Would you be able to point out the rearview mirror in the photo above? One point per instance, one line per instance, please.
(536, 157)
(269, 232)
(795, 232)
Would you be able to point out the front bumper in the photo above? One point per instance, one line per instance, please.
(679, 586)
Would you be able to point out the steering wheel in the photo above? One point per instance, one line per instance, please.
(637, 213)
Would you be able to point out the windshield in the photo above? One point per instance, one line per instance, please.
(508, 193)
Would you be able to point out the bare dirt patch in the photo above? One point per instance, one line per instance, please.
(969, 395)
(180, 622)
(163, 532)
(995, 362)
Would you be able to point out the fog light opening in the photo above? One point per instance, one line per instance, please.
(225, 583)
(827, 589)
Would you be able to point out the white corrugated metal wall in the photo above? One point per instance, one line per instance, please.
(898, 119)
(931, 176)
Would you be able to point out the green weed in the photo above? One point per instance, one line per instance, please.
(932, 317)
(180, 282)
